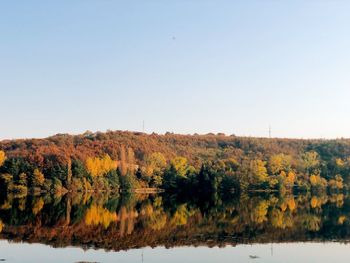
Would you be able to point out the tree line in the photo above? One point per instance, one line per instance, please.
(203, 165)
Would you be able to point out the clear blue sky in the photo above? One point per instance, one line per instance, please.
(182, 66)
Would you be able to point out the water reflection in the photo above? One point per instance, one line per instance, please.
(135, 221)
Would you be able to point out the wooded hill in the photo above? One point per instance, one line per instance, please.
(151, 158)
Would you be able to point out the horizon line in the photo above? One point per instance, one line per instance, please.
(174, 133)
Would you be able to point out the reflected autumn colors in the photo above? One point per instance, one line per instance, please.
(134, 221)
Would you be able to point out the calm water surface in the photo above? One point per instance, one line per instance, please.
(286, 252)
(160, 228)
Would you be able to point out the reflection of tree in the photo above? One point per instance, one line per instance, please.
(38, 204)
(341, 219)
(22, 204)
(288, 203)
(281, 219)
(121, 223)
(312, 222)
(181, 215)
(154, 216)
(318, 201)
(338, 199)
(127, 218)
(260, 212)
(97, 215)
(6, 205)
(1, 225)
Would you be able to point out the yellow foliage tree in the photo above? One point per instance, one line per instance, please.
(290, 178)
(313, 179)
(180, 164)
(155, 163)
(2, 157)
(258, 171)
(279, 163)
(100, 166)
(317, 181)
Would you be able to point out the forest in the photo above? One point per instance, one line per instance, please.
(201, 165)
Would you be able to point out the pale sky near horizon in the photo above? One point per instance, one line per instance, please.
(181, 66)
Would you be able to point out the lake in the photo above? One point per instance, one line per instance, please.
(161, 228)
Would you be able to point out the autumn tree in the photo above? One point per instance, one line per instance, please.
(155, 163)
(336, 183)
(69, 173)
(317, 181)
(2, 157)
(258, 171)
(131, 161)
(290, 178)
(181, 166)
(100, 166)
(123, 167)
(311, 161)
(279, 163)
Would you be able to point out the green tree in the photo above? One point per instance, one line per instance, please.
(113, 179)
(79, 170)
(170, 180)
